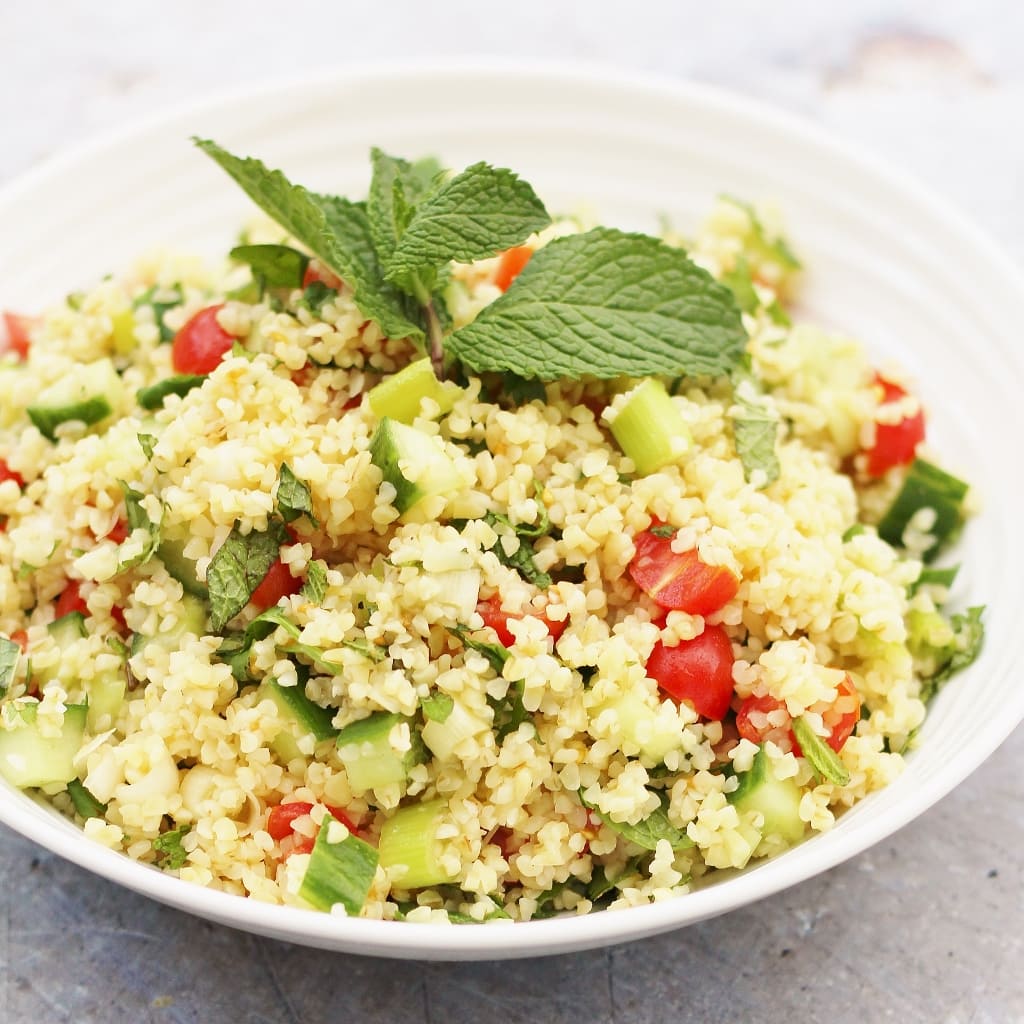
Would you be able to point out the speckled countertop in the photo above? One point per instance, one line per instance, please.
(926, 926)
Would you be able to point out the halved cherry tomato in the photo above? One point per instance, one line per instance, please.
(895, 443)
(679, 581)
(6, 473)
(278, 583)
(201, 343)
(339, 815)
(495, 617)
(316, 271)
(70, 600)
(697, 670)
(510, 264)
(840, 717)
(118, 533)
(281, 817)
(17, 328)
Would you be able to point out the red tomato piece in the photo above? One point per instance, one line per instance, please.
(895, 443)
(17, 328)
(679, 581)
(697, 670)
(844, 714)
(278, 583)
(338, 813)
(316, 271)
(510, 264)
(20, 637)
(495, 617)
(303, 845)
(6, 473)
(201, 343)
(70, 600)
(751, 727)
(118, 533)
(281, 818)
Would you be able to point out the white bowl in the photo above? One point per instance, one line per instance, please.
(886, 261)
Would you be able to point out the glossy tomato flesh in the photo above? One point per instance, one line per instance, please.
(698, 671)
(200, 345)
(679, 581)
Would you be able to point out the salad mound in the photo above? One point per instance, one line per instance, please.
(432, 559)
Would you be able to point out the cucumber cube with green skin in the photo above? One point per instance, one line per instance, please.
(295, 707)
(193, 619)
(370, 761)
(777, 800)
(106, 695)
(28, 758)
(399, 396)
(409, 844)
(183, 569)
(88, 396)
(414, 463)
(65, 631)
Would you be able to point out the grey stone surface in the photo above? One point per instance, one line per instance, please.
(928, 925)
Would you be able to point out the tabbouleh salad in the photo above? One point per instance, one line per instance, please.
(432, 560)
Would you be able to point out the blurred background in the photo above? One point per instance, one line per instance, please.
(927, 926)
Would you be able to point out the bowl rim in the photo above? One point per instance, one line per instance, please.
(562, 934)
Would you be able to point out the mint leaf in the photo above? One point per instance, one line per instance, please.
(335, 230)
(755, 429)
(968, 639)
(85, 804)
(168, 847)
(821, 757)
(238, 567)
(397, 186)
(496, 654)
(181, 384)
(374, 652)
(274, 266)
(174, 297)
(10, 652)
(606, 304)
(522, 558)
(147, 442)
(438, 707)
(741, 284)
(293, 497)
(648, 832)
(475, 214)
(315, 587)
(137, 518)
(316, 656)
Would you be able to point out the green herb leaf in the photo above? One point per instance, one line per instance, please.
(238, 568)
(138, 518)
(968, 640)
(336, 230)
(522, 390)
(153, 396)
(315, 587)
(821, 757)
(522, 558)
(475, 214)
(293, 497)
(10, 652)
(314, 295)
(648, 832)
(168, 846)
(664, 531)
(397, 186)
(755, 429)
(375, 652)
(316, 656)
(761, 244)
(175, 297)
(86, 805)
(496, 654)
(740, 282)
(606, 304)
(854, 531)
(147, 442)
(930, 577)
(437, 707)
(275, 266)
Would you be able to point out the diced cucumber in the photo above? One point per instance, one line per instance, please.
(409, 845)
(295, 706)
(777, 800)
(341, 870)
(27, 758)
(641, 725)
(443, 737)
(399, 395)
(413, 463)
(926, 486)
(106, 695)
(180, 385)
(192, 620)
(89, 396)
(183, 569)
(369, 759)
(650, 428)
(66, 630)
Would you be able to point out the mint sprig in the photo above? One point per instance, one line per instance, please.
(606, 304)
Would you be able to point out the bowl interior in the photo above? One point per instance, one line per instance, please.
(886, 263)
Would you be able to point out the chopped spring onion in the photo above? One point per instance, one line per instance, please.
(409, 846)
(341, 869)
(649, 428)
